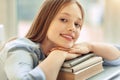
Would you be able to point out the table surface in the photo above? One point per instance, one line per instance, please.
(109, 73)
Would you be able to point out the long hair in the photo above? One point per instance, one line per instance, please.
(47, 12)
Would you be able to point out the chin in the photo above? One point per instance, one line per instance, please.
(67, 46)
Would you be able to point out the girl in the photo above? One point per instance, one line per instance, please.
(49, 42)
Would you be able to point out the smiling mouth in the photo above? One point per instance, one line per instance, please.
(67, 37)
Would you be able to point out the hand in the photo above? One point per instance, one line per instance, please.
(66, 52)
(81, 48)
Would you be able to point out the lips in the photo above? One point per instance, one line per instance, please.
(69, 37)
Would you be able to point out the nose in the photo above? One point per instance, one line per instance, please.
(71, 27)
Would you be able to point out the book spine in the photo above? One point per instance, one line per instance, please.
(80, 59)
(82, 74)
(89, 71)
(83, 65)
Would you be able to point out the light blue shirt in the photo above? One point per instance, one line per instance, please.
(19, 61)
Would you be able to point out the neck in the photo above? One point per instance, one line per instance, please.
(46, 47)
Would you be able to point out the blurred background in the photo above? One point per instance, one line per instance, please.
(102, 19)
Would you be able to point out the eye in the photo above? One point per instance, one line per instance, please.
(77, 25)
(63, 20)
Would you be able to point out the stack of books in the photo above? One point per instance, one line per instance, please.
(81, 68)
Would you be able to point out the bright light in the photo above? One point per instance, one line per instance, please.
(2, 36)
(116, 1)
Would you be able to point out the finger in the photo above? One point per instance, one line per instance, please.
(71, 56)
(75, 50)
(60, 48)
(79, 51)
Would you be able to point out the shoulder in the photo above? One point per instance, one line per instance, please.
(21, 43)
(22, 46)
(25, 44)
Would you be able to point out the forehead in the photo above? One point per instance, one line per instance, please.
(71, 9)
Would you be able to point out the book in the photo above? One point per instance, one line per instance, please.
(77, 60)
(82, 74)
(82, 65)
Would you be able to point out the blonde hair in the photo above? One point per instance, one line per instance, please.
(48, 11)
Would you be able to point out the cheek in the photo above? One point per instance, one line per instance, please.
(53, 33)
(77, 35)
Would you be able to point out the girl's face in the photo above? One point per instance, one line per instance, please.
(65, 28)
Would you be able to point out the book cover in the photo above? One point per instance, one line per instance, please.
(82, 74)
(77, 60)
(84, 64)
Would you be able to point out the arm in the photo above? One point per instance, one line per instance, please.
(106, 51)
(19, 66)
(52, 64)
(110, 53)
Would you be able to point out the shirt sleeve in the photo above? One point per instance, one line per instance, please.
(113, 62)
(37, 72)
(19, 66)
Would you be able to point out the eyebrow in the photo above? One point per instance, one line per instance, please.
(69, 15)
